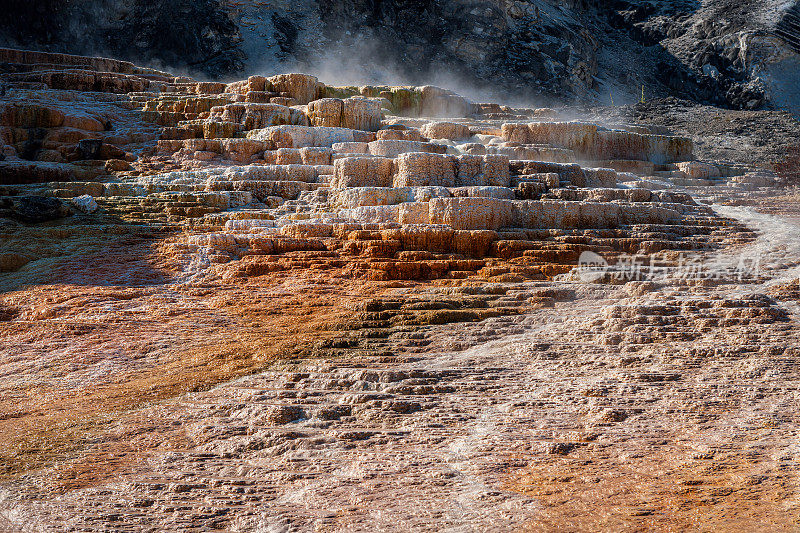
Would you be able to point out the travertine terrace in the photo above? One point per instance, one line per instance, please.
(278, 305)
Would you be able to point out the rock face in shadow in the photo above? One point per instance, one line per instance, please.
(723, 52)
(33, 209)
(191, 35)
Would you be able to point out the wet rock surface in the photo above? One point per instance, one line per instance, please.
(276, 304)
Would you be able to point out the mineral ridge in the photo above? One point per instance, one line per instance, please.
(278, 305)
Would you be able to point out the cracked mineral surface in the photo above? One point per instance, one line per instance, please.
(280, 305)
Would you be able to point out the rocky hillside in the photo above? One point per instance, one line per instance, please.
(280, 305)
(721, 52)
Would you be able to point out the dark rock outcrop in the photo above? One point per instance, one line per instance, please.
(198, 36)
(33, 209)
(615, 51)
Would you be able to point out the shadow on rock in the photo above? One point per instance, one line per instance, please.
(45, 241)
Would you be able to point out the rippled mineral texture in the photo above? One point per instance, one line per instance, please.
(277, 305)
